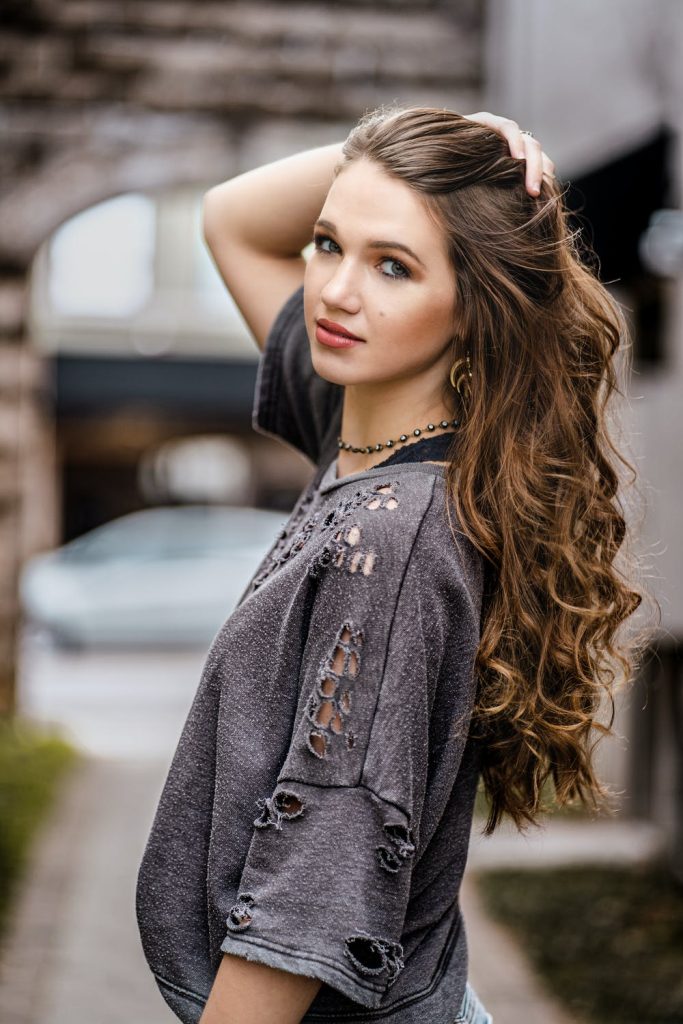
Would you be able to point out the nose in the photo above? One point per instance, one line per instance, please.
(341, 288)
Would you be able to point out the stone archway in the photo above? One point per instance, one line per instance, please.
(99, 98)
(57, 189)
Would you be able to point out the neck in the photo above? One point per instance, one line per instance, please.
(375, 413)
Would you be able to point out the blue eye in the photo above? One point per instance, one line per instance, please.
(396, 263)
(402, 274)
(319, 239)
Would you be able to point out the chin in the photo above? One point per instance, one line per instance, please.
(333, 374)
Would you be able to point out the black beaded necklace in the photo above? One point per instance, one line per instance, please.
(402, 438)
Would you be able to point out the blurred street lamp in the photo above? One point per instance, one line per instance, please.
(197, 469)
(661, 245)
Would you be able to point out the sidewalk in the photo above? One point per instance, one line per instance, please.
(500, 972)
(73, 955)
(567, 841)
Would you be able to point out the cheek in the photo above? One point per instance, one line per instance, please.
(428, 320)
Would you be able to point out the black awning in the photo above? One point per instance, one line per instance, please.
(93, 385)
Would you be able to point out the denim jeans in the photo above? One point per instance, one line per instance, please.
(472, 1010)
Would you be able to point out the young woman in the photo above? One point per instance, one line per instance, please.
(442, 604)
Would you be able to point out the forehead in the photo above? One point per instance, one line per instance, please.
(366, 201)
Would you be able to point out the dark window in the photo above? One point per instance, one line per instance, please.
(613, 205)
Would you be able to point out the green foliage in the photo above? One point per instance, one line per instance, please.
(32, 763)
(608, 942)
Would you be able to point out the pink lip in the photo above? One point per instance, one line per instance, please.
(330, 333)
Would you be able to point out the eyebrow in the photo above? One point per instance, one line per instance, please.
(379, 244)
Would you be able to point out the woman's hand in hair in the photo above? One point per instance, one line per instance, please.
(522, 147)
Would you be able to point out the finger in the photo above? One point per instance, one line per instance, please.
(548, 169)
(548, 166)
(522, 147)
(534, 164)
(512, 134)
(506, 127)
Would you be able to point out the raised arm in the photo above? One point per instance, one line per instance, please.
(256, 225)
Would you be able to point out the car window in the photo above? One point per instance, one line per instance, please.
(182, 532)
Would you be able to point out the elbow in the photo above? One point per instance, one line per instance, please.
(219, 216)
(209, 218)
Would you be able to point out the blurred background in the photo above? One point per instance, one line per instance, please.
(136, 500)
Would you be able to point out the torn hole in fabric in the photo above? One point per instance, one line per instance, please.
(316, 743)
(374, 956)
(324, 714)
(326, 709)
(283, 806)
(388, 859)
(327, 686)
(342, 550)
(383, 497)
(402, 847)
(353, 535)
(240, 916)
(402, 838)
(368, 562)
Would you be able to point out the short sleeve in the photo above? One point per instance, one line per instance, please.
(326, 885)
(291, 401)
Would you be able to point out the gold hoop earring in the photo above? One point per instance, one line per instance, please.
(463, 377)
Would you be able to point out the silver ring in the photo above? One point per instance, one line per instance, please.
(523, 131)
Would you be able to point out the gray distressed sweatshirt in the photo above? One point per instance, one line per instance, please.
(317, 810)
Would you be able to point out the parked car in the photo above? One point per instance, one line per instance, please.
(160, 576)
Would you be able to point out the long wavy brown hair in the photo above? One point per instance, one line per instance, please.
(534, 476)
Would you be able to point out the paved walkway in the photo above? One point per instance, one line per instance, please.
(72, 954)
(500, 972)
(566, 841)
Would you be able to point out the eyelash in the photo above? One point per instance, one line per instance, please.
(318, 239)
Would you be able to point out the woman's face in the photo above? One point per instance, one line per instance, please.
(400, 303)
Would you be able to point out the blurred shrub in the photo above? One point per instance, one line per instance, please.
(607, 941)
(32, 764)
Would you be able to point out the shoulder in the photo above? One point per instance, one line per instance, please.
(444, 547)
(379, 514)
(399, 524)
(400, 493)
(441, 566)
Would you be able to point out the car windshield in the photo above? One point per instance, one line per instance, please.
(178, 532)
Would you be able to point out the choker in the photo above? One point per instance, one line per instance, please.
(402, 438)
